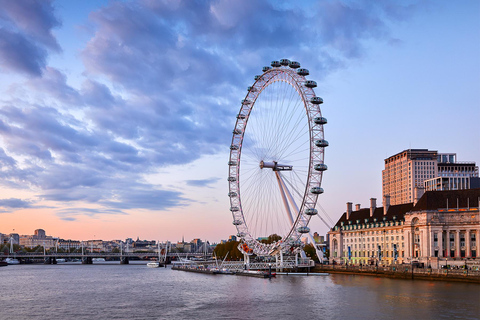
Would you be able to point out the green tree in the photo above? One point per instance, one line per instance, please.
(310, 252)
(271, 239)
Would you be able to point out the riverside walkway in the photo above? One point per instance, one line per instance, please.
(405, 271)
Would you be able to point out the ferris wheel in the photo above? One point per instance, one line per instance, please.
(276, 160)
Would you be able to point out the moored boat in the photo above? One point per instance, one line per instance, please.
(12, 261)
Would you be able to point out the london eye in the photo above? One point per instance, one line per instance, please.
(276, 160)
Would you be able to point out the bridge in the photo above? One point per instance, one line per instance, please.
(87, 258)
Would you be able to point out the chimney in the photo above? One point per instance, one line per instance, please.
(357, 207)
(386, 204)
(417, 194)
(373, 206)
(349, 210)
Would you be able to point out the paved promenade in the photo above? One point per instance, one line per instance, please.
(405, 271)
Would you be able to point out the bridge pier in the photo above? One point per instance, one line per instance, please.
(124, 260)
(49, 260)
(87, 260)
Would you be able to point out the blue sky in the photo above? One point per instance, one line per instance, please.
(116, 116)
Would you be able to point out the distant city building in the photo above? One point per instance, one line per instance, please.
(442, 225)
(39, 238)
(233, 238)
(69, 245)
(409, 173)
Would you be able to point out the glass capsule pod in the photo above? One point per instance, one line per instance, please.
(320, 120)
(257, 77)
(241, 116)
(275, 64)
(284, 62)
(321, 143)
(237, 131)
(294, 64)
(316, 100)
(311, 212)
(237, 222)
(233, 147)
(266, 68)
(316, 190)
(232, 163)
(303, 229)
(320, 167)
(232, 179)
(310, 84)
(234, 209)
(232, 194)
(303, 72)
(246, 101)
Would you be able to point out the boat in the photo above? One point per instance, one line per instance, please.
(60, 260)
(98, 259)
(256, 274)
(155, 264)
(12, 261)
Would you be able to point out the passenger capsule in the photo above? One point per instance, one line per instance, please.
(310, 84)
(246, 101)
(232, 194)
(311, 212)
(303, 72)
(234, 209)
(266, 68)
(303, 229)
(252, 89)
(232, 163)
(320, 120)
(296, 243)
(275, 64)
(241, 234)
(316, 100)
(316, 190)
(233, 147)
(294, 64)
(257, 77)
(284, 62)
(237, 131)
(241, 116)
(321, 143)
(237, 222)
(232, 179)
(320, 167)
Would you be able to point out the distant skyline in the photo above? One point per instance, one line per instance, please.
(116, 116)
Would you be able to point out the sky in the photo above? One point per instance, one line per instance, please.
(116, 116)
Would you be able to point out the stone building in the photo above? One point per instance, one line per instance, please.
(408, 173)
(443, 227)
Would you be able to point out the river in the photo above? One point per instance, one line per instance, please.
(115, 291)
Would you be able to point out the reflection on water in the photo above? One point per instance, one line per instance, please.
(137, 292)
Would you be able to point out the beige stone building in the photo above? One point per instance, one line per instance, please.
(408, 173)
(443, 227)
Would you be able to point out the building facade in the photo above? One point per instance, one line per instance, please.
(443, 227)
(409, 173)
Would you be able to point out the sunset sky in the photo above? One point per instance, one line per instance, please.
(116, 116)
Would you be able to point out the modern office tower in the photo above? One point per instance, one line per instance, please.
(409, 173)
(453, 175)
(406, 171)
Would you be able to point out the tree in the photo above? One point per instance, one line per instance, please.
(310, 252)
(271, 239)
(230, 248)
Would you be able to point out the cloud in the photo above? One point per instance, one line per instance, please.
(26, 35)
(202, 183)
(162, 84)
(14, 203)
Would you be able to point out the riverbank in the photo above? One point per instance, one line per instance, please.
(405, 272)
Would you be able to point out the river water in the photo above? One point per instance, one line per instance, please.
(135, 291)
